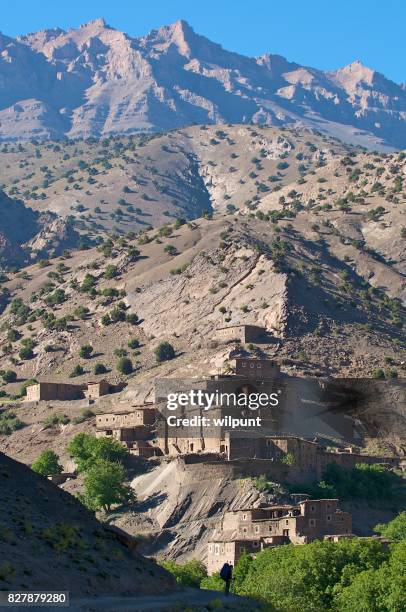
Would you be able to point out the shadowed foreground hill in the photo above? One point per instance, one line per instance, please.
(50, 541)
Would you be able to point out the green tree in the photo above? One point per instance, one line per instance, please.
(111, 271)
(47, 463)
(9, 376)
(131, 318)
(170, 249)
(164, 352)
(362, 481)
(81, 312)
(99, 368)
(88, 283)
(87, 450)
(117, 314)
(395, 530)
(133, 343)
(378, 373)
(77, 371)
(104, 485)
(13, 335)
(306, 578)
(377, 590)
(26, 352)
(240, 571)
(106, 319)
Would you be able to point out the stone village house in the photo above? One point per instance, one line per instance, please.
(253, 529)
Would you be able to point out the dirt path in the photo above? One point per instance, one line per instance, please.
(189, 599)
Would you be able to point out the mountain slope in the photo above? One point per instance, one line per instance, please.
(49, 541)
(124, 184)
(95, 80)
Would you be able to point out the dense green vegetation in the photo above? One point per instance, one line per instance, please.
(395, 530)
(188, 574)
(104, 486)
(372, 482)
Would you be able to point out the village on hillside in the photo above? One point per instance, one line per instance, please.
(295, 441)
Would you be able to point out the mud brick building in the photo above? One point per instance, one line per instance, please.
(45, 391)
(97, 388)
(303, 459)
(257, 368)
(241, 333)
(54, 391)
(252, 529)
(132, 427)
(253, 377)
(298, 412)
(137, 416)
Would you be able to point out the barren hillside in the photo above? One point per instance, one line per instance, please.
(49, 541)
(128, 184)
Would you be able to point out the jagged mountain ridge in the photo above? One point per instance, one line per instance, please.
(95, 80)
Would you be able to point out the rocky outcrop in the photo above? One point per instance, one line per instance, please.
(26, 234)
(18, 224)
(95, 80)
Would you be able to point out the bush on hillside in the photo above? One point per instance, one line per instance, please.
(164, 352)
(124, 365)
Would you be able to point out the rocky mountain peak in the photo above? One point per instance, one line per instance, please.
(356, 72)
(180, 34)
(95, 24)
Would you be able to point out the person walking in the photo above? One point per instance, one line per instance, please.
(226, 574)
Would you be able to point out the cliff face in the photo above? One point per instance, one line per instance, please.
(95, 80)
(18, 224)
(25, 232)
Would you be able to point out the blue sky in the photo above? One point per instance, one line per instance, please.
(325, 34)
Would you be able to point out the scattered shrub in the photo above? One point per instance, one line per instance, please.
(99, 368)
(164, 352)
(85, 351)
(77, 371)
(124, 366)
